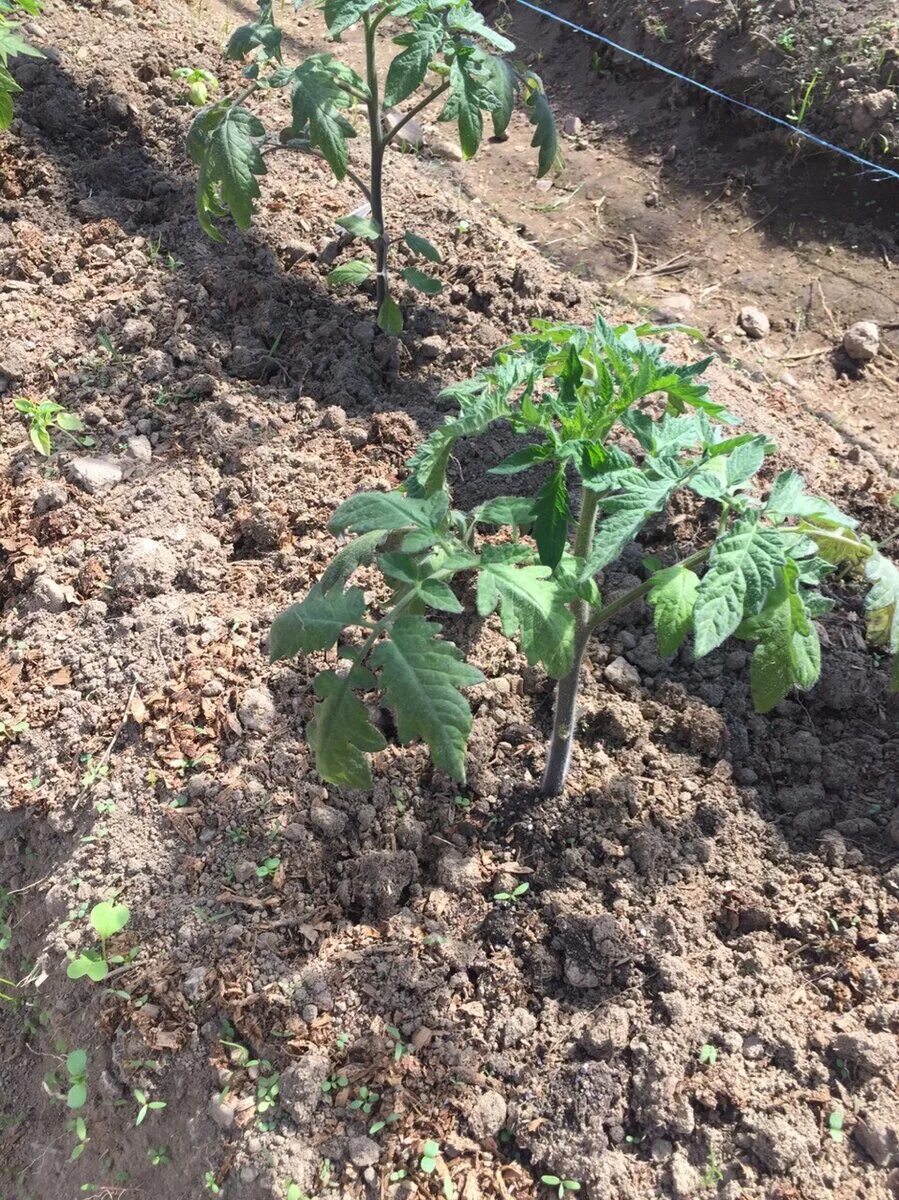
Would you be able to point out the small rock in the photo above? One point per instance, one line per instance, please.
(753, 1048)
(609, 1030)
(572, 126)
(701, 10)
(431, 347)
(244, 871)
(487, 1115)
(139, 448)
(872, 109)
(330, 822)
(301, 1086)
(257, 710)
(685, 1179)
(121, 8)
(49, 497)
(333, 417)
(94, 474)
(673, 309)
(458, 872)
(877, 1132)
(519, 1025)
(651, 199)
(754, 322)
(785, 8)
(622, 675)
(812, 820)
(441, 148)
(295, 251)
(223, 1110)
(363, 1151)
(375, 881)
(193, 985)
(861, 341)
(412, 134)
(579, 976)
(46, 595)
(137, 332)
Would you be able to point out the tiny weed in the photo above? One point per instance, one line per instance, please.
(267, 868)
(561, 1186)
(835, 1125)
(713, 1175)
(159, 1156)
(430, 1152)
(399, 1046)
(145, 1105)
(76, 1069)
(511, 897)
(708, 1054)
(200, 84)
(335, 1083)
(77, 1126)
(210, 1183)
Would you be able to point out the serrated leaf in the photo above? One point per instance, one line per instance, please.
(835, 543)
(341, 14)
(355, 554)
(552, 517)
(315, 623)
(546, 137)
(788, 498)
(429, 462)
(341, 734)
(882, 607)
(532, 605)
(421, 675)
(247, 38)
(316, 99)
(507, 510)
(743, 568)
(522, 460)
(421, 246)
(390, 317)
(672, 596)
(355, 271)
(421, 281)
(386, 511)
(407, 71)
(363, 227)
(466, 19)
(505, 88)
(471, 95)
(641, 493)
(788, 653)
(224, 143)
(418, 575)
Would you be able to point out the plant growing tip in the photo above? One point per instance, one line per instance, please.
(755, 575)
(447, 53)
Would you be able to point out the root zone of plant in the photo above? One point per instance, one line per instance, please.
(710, 878)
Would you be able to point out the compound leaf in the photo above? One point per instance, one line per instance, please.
(504, 79)
(743, 568)
(421, 675)
(385, 511)
(315, 623)
(341, 734)
(641, 492)
(531, 605)
(224, 143)
(341, 14)
(316, 98)
(672, 596)
(471, 94)
(466, 19)
(788, 653)
(788, 498)
(408, 69)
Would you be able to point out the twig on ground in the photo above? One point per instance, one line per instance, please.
(632, 269)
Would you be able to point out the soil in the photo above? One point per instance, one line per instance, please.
(710, 879)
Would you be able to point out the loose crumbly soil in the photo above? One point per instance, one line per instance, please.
(710, 878)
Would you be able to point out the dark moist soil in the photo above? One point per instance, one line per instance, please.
(711, 878)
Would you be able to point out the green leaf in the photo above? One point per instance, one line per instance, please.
(355, 271)
(882, 607)
(40, 439)
(109, 919)
(835, 543)
(76, 1062)
(387, 511)
(341, 734)
(672, 596)
(788, 498)
(641, 492)
(247, 38)
(224, 143)
(390, 317)
(743, 568)
(421, 246)
(522, 460)
(466, 19)
(407, 71)
(546, 137)
(70, 422)
(421, 281)
(418, 575)
(316, 98)
(507, 510)
(472, 92)
(532, 605)
(341, 14)
(6, 105)
(77, 1095)
(315, 623)
(363, 227)
(421, 675)
(357, 553)
(504, 79)
(553, 515)
(90, 964)
(788, 653)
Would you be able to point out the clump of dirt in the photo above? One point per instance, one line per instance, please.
(712, 878)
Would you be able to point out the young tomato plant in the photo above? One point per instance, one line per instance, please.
(567, 388)
(446, 50)
(43, 417)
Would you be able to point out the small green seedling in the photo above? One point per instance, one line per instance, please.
(835, 1125)
(713, 1175)
(430, 1152)
(396, 1176)
(335, 1083)
(293, 1191)
(365, 1100)
(200, 84)
(268, 1090)
(447, 51)
(399, 1046)
(708, 1054)
(78, 1126)
(43, 417)
(10, 730)
(269, 867)
(567, 388)
(107, 919)
(145, 1105)
(210, 1183)
(159, 1156)
(513, 896)
(76, 1069)
(561, 1185)
(377, 1126)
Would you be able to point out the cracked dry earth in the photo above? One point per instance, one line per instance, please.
(711, 878)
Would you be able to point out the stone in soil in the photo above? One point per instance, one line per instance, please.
(861, 341)
(754, 322)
